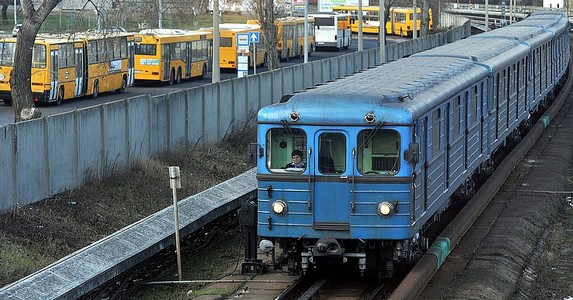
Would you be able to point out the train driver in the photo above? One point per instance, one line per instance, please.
(297, 162)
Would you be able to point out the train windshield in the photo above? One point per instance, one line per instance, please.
(281, 146)
(379, 152)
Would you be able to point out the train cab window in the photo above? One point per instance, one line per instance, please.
(379, 152)
(332, 153)
(280, 144)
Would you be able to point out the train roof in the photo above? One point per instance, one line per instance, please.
(403, 90)
(395, 92)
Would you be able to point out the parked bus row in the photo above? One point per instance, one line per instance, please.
(67, 66)
(400, 19)
(74, 65)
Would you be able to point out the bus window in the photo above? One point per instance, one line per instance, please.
(332, 153)
(323, 21)
(39, 57)
(145, 49)
(279, 146)
(379, 152)
(226, 42)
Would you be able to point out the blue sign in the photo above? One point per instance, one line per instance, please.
(243, 39)
(254, 37)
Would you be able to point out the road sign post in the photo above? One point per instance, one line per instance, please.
(243, 54)
(254, 38)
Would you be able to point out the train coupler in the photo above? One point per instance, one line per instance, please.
(252, 266)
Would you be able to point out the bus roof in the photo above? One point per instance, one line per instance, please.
(329, 14)
(176, 34)
(237, 27)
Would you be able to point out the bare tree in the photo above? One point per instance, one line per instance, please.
(264, 11)
(20, 80)
(425, 22)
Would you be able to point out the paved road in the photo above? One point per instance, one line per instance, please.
(7, 115)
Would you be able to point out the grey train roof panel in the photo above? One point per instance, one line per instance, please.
(401, 90)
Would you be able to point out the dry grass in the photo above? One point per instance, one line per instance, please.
(36, 235)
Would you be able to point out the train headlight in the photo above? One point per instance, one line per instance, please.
(279, 207)
(386, 209)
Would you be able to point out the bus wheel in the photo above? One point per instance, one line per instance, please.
(123, 86)
(7, 101)
(172, 77)
(96, 90)
(178, 81)
(60, 96)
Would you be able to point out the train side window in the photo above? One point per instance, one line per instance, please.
(473, 106)
(379, 152)
(332, 153)
(457, 123)
(436, 132)
(280, 144)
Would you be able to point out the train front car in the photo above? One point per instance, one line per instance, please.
(355, 199)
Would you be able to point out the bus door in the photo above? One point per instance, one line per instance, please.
(130, 62)
(332, 195)
(189, 48)
(285, 38)
(166, 59)
(80, 73)
(54, 77)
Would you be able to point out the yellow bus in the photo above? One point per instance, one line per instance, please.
(290, 33)
(170, 55)
(71, 66)
(400, 22)
(228, 49)
(110, 62)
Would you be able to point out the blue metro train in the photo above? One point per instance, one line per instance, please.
(385, 150)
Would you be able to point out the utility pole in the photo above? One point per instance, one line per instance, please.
(216, 75)
(305, 31)
(360, 42)
(486, 15)
(160, 8)
(382, 19)
(415, 14)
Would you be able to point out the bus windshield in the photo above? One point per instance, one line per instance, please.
(7, 53)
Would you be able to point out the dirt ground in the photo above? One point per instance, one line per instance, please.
(34, 236)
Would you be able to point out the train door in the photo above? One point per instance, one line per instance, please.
(80, 73)
(420, 170)
(331, 191)
(435, 159)
(54, 78)
(447, 137)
